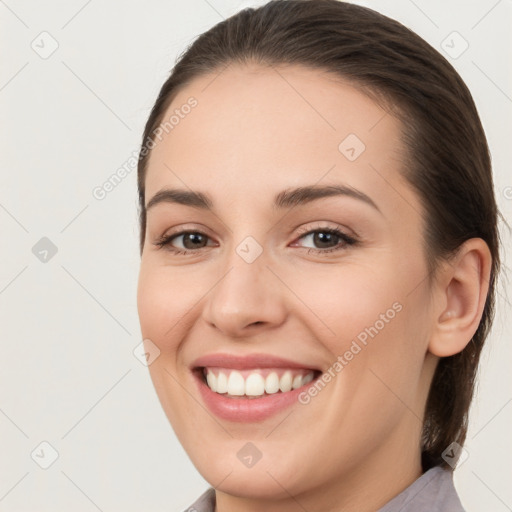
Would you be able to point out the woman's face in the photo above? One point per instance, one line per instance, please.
(270, 296)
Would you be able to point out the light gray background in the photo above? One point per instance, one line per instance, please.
(69, 325)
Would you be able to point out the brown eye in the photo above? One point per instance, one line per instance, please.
(327, 239)
(193, 240)
(184, 241)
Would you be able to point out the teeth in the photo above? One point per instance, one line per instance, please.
(233, 383)
(212, 381)
(285, 384)
(236, 384)
(254, 385)
(272, 383)
(297, 382)
(222, 383)
(306, 380)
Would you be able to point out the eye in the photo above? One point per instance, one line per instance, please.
(327, 239)
(191, 241)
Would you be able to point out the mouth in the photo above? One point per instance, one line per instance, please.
(250, 388)
(255, 383)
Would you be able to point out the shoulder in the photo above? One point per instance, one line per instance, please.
(205, 502)
(433, 491)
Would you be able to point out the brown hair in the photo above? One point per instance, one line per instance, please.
(447, 162)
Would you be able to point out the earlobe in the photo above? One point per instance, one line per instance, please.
(461, 295)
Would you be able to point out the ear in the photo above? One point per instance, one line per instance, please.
(461, 291)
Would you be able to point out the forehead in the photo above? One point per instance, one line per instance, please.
(262, 129)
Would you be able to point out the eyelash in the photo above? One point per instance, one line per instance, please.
(347, 240)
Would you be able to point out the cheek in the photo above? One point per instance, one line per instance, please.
(391, 326)
(165, 306)
(371, 318)
(346, 300)
(165, 303)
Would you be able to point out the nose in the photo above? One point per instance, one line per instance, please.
(248, 298)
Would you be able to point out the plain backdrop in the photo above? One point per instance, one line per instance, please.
(77, 81)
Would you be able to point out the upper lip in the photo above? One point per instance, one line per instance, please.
(238, 362)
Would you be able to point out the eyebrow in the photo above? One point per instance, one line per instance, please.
(288, 198)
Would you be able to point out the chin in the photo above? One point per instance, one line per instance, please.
(273, 476)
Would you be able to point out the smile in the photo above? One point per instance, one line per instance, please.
(257, 382)
(250, 388)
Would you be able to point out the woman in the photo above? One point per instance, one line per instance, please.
(319, 255)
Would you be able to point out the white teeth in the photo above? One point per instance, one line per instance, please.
(232, 382)
(272, 383)
(236, 384)
(297, 382)
(254, 385)
(222, 383)
(305, 380)
(212, 381)
(285, 384)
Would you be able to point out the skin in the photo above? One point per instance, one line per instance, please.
(255, 132)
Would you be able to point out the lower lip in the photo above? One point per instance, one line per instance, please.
(248, 410)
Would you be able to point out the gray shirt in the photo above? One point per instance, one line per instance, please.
(431, 492)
